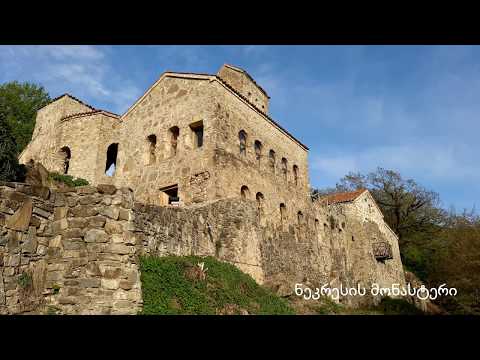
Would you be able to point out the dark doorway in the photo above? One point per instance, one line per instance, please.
(111, 163)
(172, 193)
(66, 155)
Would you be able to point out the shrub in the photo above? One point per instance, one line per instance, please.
(175, 285)
(25, 280)
(67, 179)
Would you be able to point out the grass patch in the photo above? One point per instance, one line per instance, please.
(67, 179)
(176, 285)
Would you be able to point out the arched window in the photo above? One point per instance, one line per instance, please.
(245, 192)
(174, 134)
(283, 212)
(111, 163)
(66, 155)
(152, 145)
(258, 150)
(242, 137)
(284, 168)
(260, 200)
(271, 158)
(295, 174)
(317, 224)
(300, 217)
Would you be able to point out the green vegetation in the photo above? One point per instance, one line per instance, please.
(19, 103)
(25, 280)
(67, 179)
(10, 170)
(177, 285)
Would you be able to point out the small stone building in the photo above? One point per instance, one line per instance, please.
(206, 171)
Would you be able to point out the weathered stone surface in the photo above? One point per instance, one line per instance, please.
(21, 218)
(30, 241)
(106, 189)
(59, 226)
(73, 233)
(78, 222)
(96, 221)
(83, 211)
(111, 212)
(96, 235)
(110, 284)
(113, 227)
(59, 213)
(83, 190)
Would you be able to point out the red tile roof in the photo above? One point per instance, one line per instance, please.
(344, 196)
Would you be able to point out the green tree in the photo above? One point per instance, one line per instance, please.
(9, 167)
(19, 103)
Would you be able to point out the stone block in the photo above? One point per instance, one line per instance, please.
(110, 211)
(110, 284)
(120, 249)
(77, 222)
(89, 283)
(73, 233)
(113, 227)
(20, 220)
(96, 221)
(60, 213)
(106, 189)
(85, 190)
(96, 235)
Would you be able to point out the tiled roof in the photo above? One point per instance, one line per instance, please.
(343, 197)
(71, 97)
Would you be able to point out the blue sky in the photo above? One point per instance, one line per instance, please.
(414, 109)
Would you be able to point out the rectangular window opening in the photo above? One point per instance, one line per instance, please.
(197, 129)
(170, 195)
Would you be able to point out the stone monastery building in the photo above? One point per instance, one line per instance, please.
(213, 174)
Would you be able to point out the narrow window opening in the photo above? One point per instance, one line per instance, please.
(260, 201)
(242, 136)
(271, 157)
(300, 218)
(295, 174)
(245, 192)
(111, 163)
(197, 129)
(169, 195)
(283, 212)
(174, 134)
(258, 150)
(66, 155)
(152, 146)
(284, 168)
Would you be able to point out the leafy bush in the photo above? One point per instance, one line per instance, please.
(175, 285)
(25, 280)
(68, 180)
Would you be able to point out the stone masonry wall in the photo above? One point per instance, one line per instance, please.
(69, 252)
(76, 251)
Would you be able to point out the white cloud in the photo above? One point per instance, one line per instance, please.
(84, 71)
